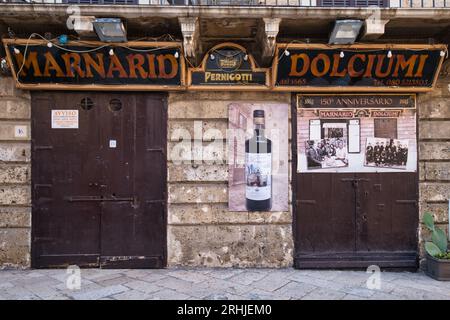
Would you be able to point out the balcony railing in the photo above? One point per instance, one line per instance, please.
(254, 3)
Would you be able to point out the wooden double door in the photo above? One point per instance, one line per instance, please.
(353, 220)
(99, 184)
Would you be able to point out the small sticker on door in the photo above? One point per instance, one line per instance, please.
(64, 119)
(112, 143)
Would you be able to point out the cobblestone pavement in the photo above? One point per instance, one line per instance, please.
(226, 284)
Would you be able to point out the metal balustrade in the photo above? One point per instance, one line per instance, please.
(253, 3)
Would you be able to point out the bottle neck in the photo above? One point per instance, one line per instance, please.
(259, 129)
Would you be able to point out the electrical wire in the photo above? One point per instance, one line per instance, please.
(52, 41)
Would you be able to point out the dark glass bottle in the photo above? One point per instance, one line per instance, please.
(258, 167)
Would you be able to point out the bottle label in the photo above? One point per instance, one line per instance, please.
(258, 176)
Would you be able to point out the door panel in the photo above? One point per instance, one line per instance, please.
(90, 197)
(325, 201)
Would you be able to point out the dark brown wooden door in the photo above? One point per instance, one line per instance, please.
(346, 220)
(99, 191)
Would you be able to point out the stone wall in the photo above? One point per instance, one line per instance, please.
(434, 154)
(201, 230)
(15, 179)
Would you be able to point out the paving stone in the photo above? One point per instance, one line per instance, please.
(223, 284)
(295, 290)
(131, 295)
(362, 292)
(174, 283)
(116, 280)
(247, 277)
(225, 273)
(189, 275)
(143, 286)
(258, 294)
(224, 296)
(324, 294)
(271, 282)
(220, 285)
(99, 293)
(353, 297)
(168, 294)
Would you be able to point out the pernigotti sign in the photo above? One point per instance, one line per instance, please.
(64, 119)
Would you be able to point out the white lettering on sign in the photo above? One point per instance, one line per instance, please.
(64, 119)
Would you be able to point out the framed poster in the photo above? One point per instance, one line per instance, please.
(258, 157)
(356, 133)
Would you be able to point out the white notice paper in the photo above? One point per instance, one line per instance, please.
(64, 119)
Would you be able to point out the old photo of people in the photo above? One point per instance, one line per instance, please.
(326, 153)
(386, 153)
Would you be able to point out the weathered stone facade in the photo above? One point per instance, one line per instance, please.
(15, 177)
(201, 231)
(434, 154)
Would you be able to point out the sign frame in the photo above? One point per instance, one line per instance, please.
(98, 87)
(254, 68)
(299, 106)
(361, 47)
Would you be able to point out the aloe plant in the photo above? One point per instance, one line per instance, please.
(438, 245)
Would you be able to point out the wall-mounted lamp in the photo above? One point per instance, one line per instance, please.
(345, 31)
(110, 29)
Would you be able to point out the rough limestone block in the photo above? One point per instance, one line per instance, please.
(206, 130)
(15, 247)
(17, 152)
(15, 173)
(197, 152)
(15, 108)
(15, 195)
(230, 96)
(436, 108)
(437, 171)
(8, 89)
(231, 246)
(15, 217)
(7, 130)
(429, 191)
(434, 129)
(438, 210)
(421, 171)
(196, 214)
(434, 150)
(193, 172)
(198, 193)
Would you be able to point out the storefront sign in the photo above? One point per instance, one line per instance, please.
(340, 101)
(95, 65)
(228, 66)
(357, 67)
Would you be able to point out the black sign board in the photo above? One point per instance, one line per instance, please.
(357, 67)
(228, 65)
(356, 101)
(94, 65)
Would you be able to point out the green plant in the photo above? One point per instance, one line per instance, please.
(437, 247)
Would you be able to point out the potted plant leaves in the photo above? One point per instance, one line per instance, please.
(438, 256)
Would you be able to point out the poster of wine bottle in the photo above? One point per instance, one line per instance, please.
(258, 157)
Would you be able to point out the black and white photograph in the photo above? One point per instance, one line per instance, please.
(326, 153)
(386, 153)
